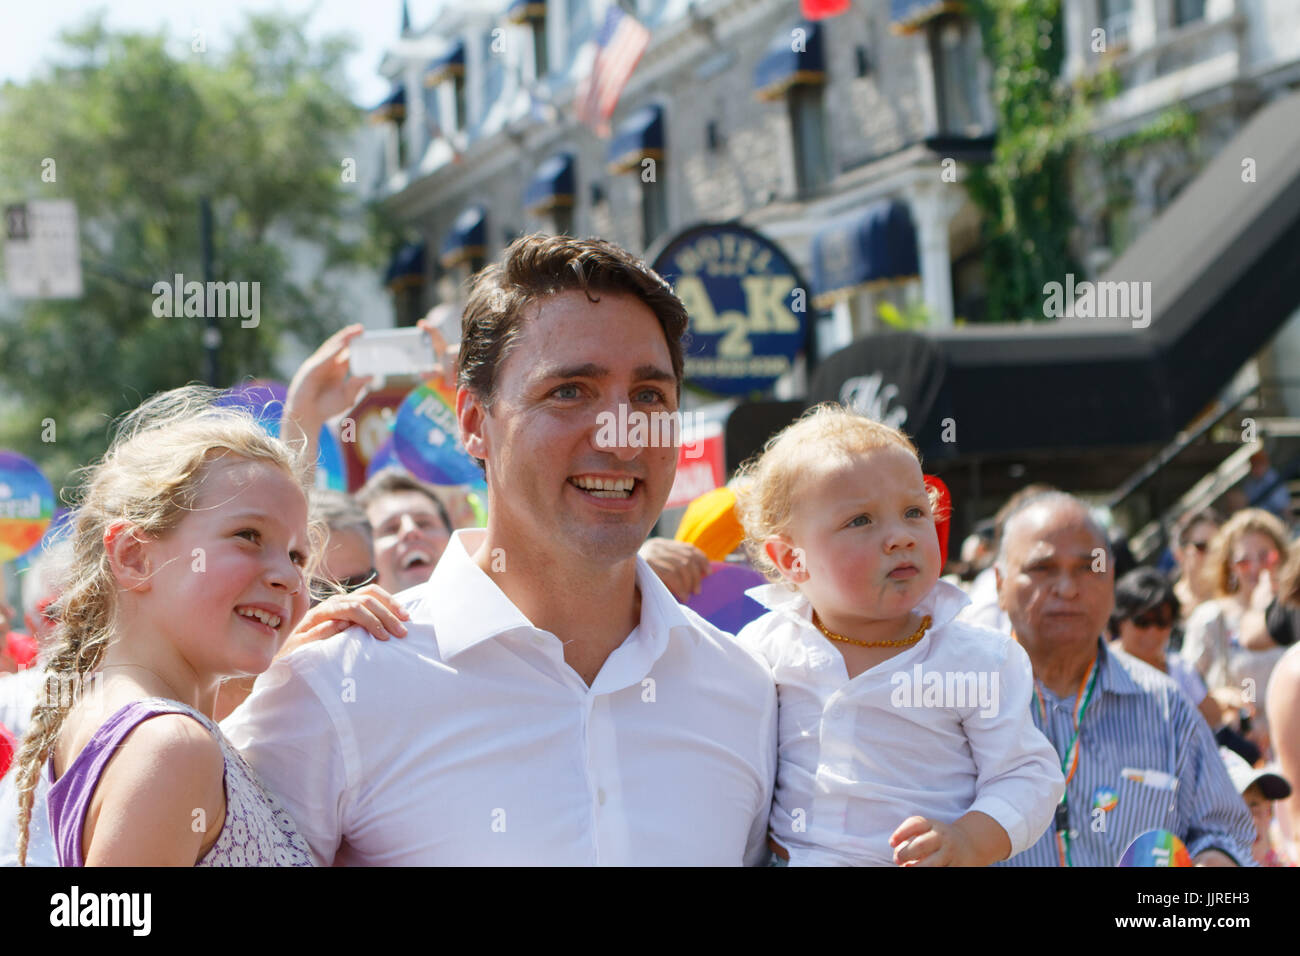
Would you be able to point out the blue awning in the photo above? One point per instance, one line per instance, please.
(392, 108)
(521, 11)
(467, 239)
(874, 245)
(451, 63)
(640, 136)
(407, 267)
(791, 60)
(552, 186)
(906, 16)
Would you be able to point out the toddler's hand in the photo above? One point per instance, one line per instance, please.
(922, 842)
(974, 840)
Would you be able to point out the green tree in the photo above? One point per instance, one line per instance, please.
(139, 132)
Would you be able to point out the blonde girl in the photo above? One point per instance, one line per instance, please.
(192, 548)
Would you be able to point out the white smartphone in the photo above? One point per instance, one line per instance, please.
(391, 353)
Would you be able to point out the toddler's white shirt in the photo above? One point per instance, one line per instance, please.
(939, 730)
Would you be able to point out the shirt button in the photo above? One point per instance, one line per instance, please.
(600, 796)
(538, 640)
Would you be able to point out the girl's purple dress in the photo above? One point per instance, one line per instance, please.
(257, 831)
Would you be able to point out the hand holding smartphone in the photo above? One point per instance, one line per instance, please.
(392, 353)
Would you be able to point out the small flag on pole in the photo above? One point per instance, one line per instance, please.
(821, 9)
(619, 46)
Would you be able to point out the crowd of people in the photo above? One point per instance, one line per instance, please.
(225, 665)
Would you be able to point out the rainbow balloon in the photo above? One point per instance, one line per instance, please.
(265, 399)
(26, 505)
(1156, 848)
(426, 438)
(61, 526)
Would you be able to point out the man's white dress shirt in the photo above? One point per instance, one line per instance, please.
(471, 741)
(936, 731)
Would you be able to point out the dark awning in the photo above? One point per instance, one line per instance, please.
(1223, 260)
(406, 267)
(450, 63)
(789, 62)
(751, 424)
(640, 136)
(392, 108)
(909, 15)
(521, 11)
(1000, 389)
(552, 185)
(876, 244)
(467, 239)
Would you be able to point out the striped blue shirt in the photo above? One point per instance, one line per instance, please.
(1147, 754)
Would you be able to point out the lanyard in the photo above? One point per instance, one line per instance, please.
(1070, 763)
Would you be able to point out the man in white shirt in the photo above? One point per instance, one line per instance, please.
(552, 704)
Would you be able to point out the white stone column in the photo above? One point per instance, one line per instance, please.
(1080, 18)
(1142, 25)
(933, 206)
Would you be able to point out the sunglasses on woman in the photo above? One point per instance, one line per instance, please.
(1156, 617)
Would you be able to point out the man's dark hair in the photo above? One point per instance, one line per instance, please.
(535, 267)
(1140, 591)
(393, 479)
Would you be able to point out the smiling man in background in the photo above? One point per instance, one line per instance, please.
(552, 703)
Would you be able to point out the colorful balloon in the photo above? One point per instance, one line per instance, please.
(427, 438)
(26, 505)
(265, 399)
(1156, 848)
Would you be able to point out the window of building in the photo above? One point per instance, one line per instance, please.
(712, 136)
(580, 26)
(541, 61)
(1188, 11)
(649, 12)
(808, 130)
(562, 216)
(955, 54)
(1115, 16)
(861, 61)
(459, 102)
(493, 77)
(654, 209)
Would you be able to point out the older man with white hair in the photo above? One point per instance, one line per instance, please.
(1135, 753)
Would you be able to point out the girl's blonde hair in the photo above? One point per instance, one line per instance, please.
(766, 484)
(149, 477)
(1218, 563)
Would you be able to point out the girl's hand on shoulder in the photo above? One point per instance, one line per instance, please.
(161, 797)
(370, 607)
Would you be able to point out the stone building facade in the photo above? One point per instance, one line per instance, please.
(834, 139)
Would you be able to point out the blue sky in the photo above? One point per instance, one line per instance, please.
(27, 39)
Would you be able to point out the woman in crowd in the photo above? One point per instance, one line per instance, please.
(1145, 611)
(1227, 638)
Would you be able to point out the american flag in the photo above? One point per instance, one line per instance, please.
(619, 46)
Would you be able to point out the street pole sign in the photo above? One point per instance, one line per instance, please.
(42, 250)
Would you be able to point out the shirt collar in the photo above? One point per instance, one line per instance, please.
(1114, 675)
(943, 603)
(466, 607)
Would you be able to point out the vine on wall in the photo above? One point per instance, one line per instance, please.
(1043, 124)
